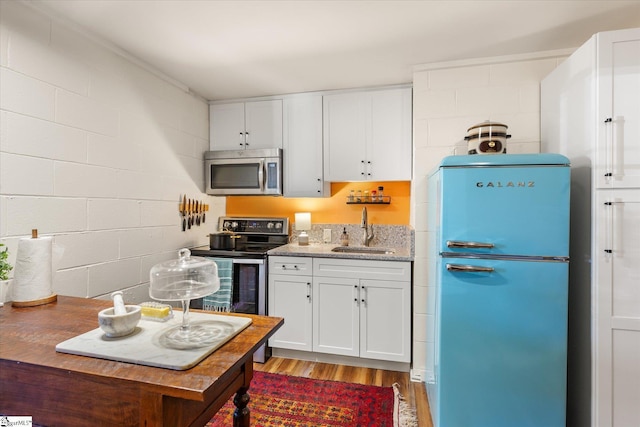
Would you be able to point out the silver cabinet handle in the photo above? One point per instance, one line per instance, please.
(469, 268)
(469, 245)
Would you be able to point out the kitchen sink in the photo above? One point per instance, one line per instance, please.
(362, 250)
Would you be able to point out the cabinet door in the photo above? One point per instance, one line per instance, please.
(385, 322)
(336, 305)
(617, 337)
(619, 109)
(290, 298)
(389, 135)
(226, 123)
(302, 147)
(367, 135)
(344, 137)
(263, 124)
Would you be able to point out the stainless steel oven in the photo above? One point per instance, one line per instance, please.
(254, 238)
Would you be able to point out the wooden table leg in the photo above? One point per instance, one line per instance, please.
(242, 414)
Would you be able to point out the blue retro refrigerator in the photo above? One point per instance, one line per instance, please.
(498, 274)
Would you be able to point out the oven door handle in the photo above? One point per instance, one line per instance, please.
(247, 261)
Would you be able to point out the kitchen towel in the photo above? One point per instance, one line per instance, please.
(33, 272)
(221, 300)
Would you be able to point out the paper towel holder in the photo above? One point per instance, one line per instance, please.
(41, 301)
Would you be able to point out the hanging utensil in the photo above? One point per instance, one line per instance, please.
(189, 218)
(183, 211)
(193, 213)
(205, 208)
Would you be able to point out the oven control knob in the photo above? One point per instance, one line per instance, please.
(270, 225)
(226, 225)
(279, 225)
(234, 225)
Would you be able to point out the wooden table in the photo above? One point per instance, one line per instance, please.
(69, 390)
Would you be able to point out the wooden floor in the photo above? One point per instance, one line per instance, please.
(413, 392)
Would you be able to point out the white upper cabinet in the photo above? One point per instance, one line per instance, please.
(618, 68)
(302, 147)
(246, 125)
(367, 135)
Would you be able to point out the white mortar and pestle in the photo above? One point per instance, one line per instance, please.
(119, 320)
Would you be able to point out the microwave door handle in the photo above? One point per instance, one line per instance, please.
(261, 176)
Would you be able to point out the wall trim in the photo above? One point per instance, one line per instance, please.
(312, 93)
(494, 60)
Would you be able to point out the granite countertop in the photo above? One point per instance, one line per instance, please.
(323, 250)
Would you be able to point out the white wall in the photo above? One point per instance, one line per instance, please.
(95, 151)
(447, 100)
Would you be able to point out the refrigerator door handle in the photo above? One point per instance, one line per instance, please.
(468, 245)
(469, 268)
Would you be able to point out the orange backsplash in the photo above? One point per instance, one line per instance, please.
(330, 210)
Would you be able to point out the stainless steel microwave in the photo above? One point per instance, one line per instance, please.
(243, 172)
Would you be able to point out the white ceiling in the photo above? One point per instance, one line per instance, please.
(234, 49)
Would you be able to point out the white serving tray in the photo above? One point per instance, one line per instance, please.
(145, 345)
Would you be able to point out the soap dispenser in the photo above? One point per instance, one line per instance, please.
(344, 238)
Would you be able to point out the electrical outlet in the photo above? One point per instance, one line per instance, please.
(326, 235)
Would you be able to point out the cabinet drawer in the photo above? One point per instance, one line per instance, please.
(290, 265)
(362, 269)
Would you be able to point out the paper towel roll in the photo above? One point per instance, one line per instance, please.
(33, 272)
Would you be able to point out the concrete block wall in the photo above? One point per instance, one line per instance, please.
(95, 151)
(447, 100)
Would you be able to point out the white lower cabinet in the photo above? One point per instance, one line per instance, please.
(336, 312)
(617, 326)
(358, 308)
(289, 297)
(385, 320)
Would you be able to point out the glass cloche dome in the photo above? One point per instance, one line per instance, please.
(182, 280)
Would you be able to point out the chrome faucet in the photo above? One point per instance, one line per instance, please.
(364, 223)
